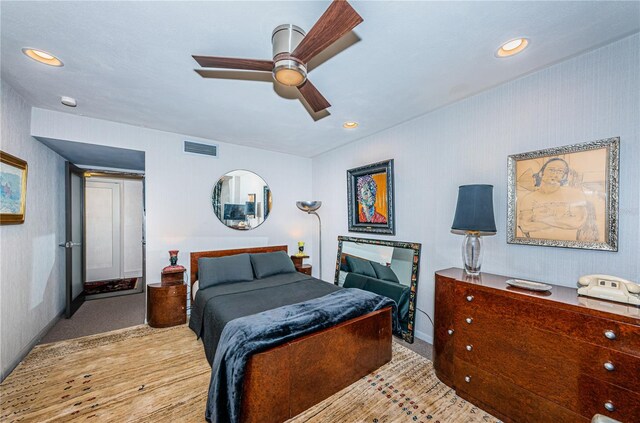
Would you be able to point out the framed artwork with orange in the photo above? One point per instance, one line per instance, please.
(370, 198)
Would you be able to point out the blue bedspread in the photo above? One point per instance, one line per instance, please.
(248, 335)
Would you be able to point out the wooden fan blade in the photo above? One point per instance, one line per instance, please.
(233, 63)
(313, 97)
(336, 21)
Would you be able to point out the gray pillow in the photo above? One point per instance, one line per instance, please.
(228, 269)
(361, 266)
(384, 272)
(269, 264)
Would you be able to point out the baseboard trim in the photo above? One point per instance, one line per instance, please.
(26, 350)
(426, 338)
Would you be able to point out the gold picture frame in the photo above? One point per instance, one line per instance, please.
(565, 196)
(13, 189)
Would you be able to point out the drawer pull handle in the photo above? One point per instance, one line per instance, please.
(609, 334)
(609, 366)
(468, 380)
(469, 298)
(469, 320)
(469, 347)
(609, 406)
(450, 331)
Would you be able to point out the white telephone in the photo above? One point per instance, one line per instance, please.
(609, 288)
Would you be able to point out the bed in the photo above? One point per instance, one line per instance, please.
(282, 381)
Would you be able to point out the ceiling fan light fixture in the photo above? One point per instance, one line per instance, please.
(289, 72)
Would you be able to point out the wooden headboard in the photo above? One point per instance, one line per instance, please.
(221, 253)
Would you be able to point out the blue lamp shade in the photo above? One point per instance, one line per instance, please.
(474, 211)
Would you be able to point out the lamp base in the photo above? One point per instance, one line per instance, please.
(472, 253)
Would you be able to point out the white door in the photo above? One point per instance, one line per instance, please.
(132, 216)
(103, 231)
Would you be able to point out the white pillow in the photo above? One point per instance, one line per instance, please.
(194, 289)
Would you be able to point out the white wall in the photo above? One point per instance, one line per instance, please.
(31, 265)
(178, 187)
(589, 97)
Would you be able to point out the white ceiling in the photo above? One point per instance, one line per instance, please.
(131, 61)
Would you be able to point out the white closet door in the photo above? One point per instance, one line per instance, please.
(102, 232)
(132, 228)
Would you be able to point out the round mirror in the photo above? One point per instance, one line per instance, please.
(241, 200)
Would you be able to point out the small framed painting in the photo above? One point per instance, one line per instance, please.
(565, 196)
(13, 189)
(370, 198)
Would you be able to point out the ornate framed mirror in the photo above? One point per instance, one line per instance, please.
(388, 268)
(241, 200)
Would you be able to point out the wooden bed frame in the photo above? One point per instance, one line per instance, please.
(283, 381)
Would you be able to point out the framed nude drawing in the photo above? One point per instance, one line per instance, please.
(370, 198)
(13, 189)
(565, 196)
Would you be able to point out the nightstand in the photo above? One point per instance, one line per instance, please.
(305, 268)
(300, 267)
(166, 305)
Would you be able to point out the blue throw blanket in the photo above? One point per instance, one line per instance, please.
(248, 335)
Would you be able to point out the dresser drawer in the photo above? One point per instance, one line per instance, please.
(561, 357)
(498, 393)
(551, 365)
(599, 395)
(603, 332)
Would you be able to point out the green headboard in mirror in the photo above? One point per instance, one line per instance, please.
(388, 268)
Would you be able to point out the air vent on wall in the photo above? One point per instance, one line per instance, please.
(199, 148)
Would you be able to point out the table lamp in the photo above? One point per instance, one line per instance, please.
(473, 219)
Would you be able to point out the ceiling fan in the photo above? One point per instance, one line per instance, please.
(292, 50)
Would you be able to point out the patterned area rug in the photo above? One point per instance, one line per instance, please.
(100, 287)
(142, 374)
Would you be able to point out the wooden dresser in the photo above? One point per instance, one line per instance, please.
(527, 356)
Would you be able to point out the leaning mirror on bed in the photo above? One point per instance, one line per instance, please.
(241, 200)
(388, 268)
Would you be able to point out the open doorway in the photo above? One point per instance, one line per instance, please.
(114, 234)
(109, 308)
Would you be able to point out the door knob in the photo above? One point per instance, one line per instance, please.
(70, 244)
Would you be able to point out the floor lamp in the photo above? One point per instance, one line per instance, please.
(310, 207)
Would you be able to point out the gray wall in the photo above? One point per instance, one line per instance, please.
(32, 264)
(589, 97)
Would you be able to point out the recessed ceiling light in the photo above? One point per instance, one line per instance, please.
(350, 125)
(42, 57)
(68, 101)
(512, 47)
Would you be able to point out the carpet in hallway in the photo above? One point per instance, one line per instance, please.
(142, 374)
(99, 316)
